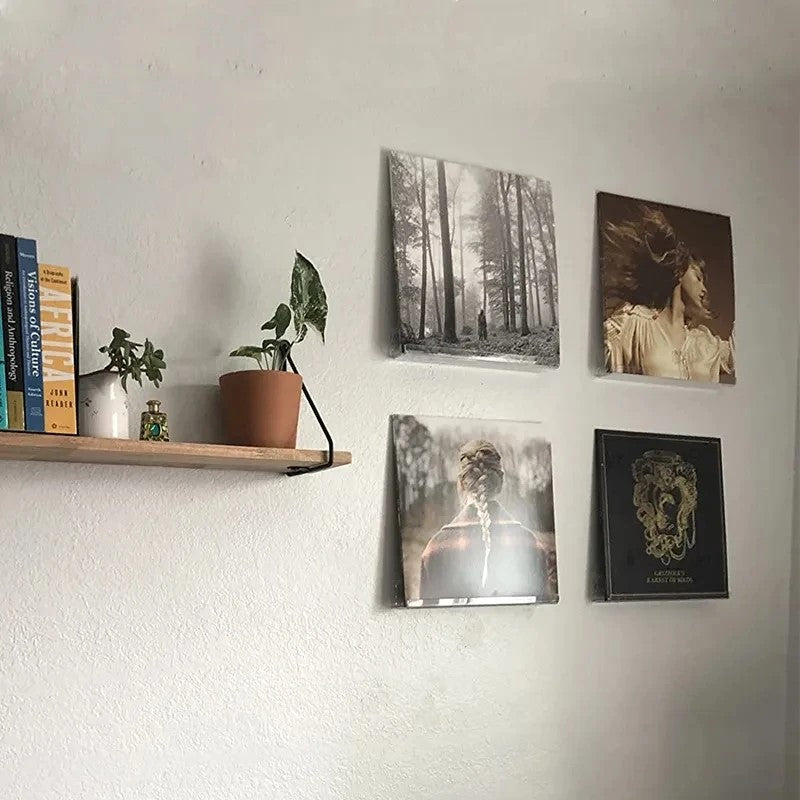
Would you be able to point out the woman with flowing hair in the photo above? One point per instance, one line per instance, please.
(484, 552)
(656, 304)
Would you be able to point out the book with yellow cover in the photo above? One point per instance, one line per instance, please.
(58, 355)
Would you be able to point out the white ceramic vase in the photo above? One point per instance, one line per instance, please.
(102, 406)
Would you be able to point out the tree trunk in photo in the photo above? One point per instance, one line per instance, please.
(503, 255)
(535, 275)
(463, 285)
(531, 259)
(484, 285)
(523, 294)
(451, 202)
(506, 303)
(551, 295)
(512, 299)
(548, 257)
(551, 262)
(424, 289)
(434, 286)
(447, 260)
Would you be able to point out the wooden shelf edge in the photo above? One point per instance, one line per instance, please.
(131, 452)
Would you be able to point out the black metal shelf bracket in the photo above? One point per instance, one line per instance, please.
(296, 470)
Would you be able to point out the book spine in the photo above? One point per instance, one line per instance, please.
(31, 334)
(3, 381)
(58, 364)
(76, 343)
(3, 392)
(9, 307)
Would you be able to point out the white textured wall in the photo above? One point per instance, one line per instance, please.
(175, 635)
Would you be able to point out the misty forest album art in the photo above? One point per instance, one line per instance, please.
(663, 516)
(475, 505)
(475, 263)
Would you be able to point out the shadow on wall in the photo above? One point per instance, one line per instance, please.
(596, 348)
(212, 289)
(194, 413)
(595, 571)
(389, 591)
(385, 308)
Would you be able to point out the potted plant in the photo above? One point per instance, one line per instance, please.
(261, 406)
(103, 394)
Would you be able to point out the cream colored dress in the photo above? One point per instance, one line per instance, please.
(637, 344)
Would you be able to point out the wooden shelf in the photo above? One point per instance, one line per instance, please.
(86, 450)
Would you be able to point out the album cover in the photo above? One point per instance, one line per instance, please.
(475, 504)
(668, 295)
(663, 516)
(475, 264)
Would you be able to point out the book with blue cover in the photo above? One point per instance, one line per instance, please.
(31, 334)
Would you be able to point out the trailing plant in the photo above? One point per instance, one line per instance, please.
(124, 359)
(309, 308)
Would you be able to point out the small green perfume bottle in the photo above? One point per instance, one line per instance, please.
(154, 423)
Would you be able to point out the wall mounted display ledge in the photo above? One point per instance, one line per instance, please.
(191, 455)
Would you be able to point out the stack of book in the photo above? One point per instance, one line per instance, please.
(38, 342)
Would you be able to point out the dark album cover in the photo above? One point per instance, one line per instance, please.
(663, 516)
(475, 501)
(475, 264)
(668, 296)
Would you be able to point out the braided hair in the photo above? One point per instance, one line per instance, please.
(480, 479)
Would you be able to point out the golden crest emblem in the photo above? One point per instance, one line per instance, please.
(665, 497)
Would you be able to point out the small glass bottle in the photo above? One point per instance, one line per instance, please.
(154, 423)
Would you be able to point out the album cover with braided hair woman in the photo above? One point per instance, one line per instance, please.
(668, 291)
(475, 503)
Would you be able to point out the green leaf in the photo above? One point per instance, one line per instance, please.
(283, 317)
(280, 322)
(308, 300)
(248, 352)
(127, 363)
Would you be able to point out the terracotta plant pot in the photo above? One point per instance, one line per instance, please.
(260, 408)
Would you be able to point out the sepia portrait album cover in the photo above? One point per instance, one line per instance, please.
(475, 507)
(668, 291)
(663, 516)
(474, 264)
